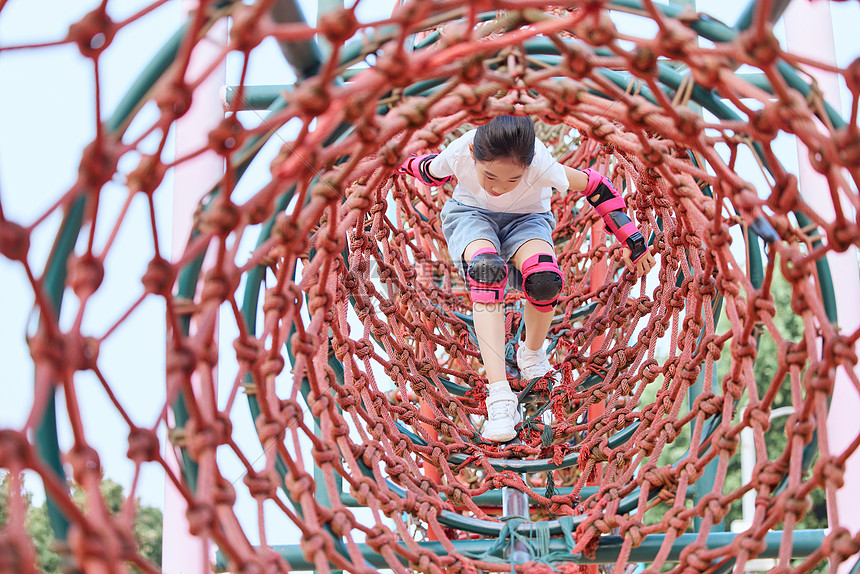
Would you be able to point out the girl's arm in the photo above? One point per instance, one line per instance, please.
(576, 180)
(419, 166)
(609, 204)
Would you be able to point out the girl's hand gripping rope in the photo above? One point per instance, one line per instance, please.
(610, 206)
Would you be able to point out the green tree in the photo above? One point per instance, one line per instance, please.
(146, 528)
(39, 529)
(791, 328)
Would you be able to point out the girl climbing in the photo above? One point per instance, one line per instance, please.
(499, 214)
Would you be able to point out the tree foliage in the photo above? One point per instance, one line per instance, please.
(146, 527)
(791, 328)
(766, 367)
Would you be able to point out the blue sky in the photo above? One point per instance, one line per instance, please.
(46, 119)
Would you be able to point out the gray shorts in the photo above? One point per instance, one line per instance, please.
(463, 224)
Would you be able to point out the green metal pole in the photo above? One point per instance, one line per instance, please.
(804, 543)
(304, 56)
(489, 498)
(776, 10)
(705, 484)
(55, 282)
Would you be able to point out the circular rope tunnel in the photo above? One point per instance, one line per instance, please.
(354, 343)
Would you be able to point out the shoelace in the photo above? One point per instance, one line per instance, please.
(543, 362)
(530, 358)
(500, 409)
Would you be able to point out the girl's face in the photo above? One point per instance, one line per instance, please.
(500, 176)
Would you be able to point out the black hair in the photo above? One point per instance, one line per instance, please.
(506, 137)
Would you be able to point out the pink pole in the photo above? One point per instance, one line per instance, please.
(809, 32)
(183, 553)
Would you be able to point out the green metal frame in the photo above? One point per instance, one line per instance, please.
(805, 542)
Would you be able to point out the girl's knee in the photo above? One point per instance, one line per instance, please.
(542, 281)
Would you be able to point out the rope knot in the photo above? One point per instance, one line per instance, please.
(224, 493)
(830, 471)
(175, 99)
(694, 558)
(316, 545)
(312, 97)
(822, 380)
(428, 562)
(596, 28)
(839, 545)
(247, 349)
(218, 285)
(760, 48)
(269, 430)
(689, 123)
(341, 522)
(644, 58)
(690, 471)
(675, 39)
(321, 404)
(675, 520)
(85, 462)
(769, 474)
(86, 274)
(796, 502)
(337, 25)
(366, 486)
(245, 31)
(225, 138)
(93, 33)
(757, 415)
(201, 518)
(664, 477)
(379, 537)
(260, 485)
(397, 68)
(803, 428)
(650, 370)
(14, 241)
(299, 483)
(838, 350)
(273, 365)
(750, 545)
(631, 529)
(143, 445)
(81, 353)
(14, 449)
(88, 546)
(159, 277)
(304, 343)
(709, 404)
(202, 436)
(725, 440)
(712, 505)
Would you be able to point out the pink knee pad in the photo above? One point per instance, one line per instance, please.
(542, 281)
(487, 276)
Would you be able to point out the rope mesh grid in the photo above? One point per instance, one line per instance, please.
(354, 331)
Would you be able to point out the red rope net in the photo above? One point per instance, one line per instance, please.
(358, 359)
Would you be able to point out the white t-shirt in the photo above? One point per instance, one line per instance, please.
(531, 195)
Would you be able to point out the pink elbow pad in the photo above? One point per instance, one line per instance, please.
(419, 166)
(601, 194)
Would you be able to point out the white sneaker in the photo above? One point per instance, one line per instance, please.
(533, 365)
(502, 417)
